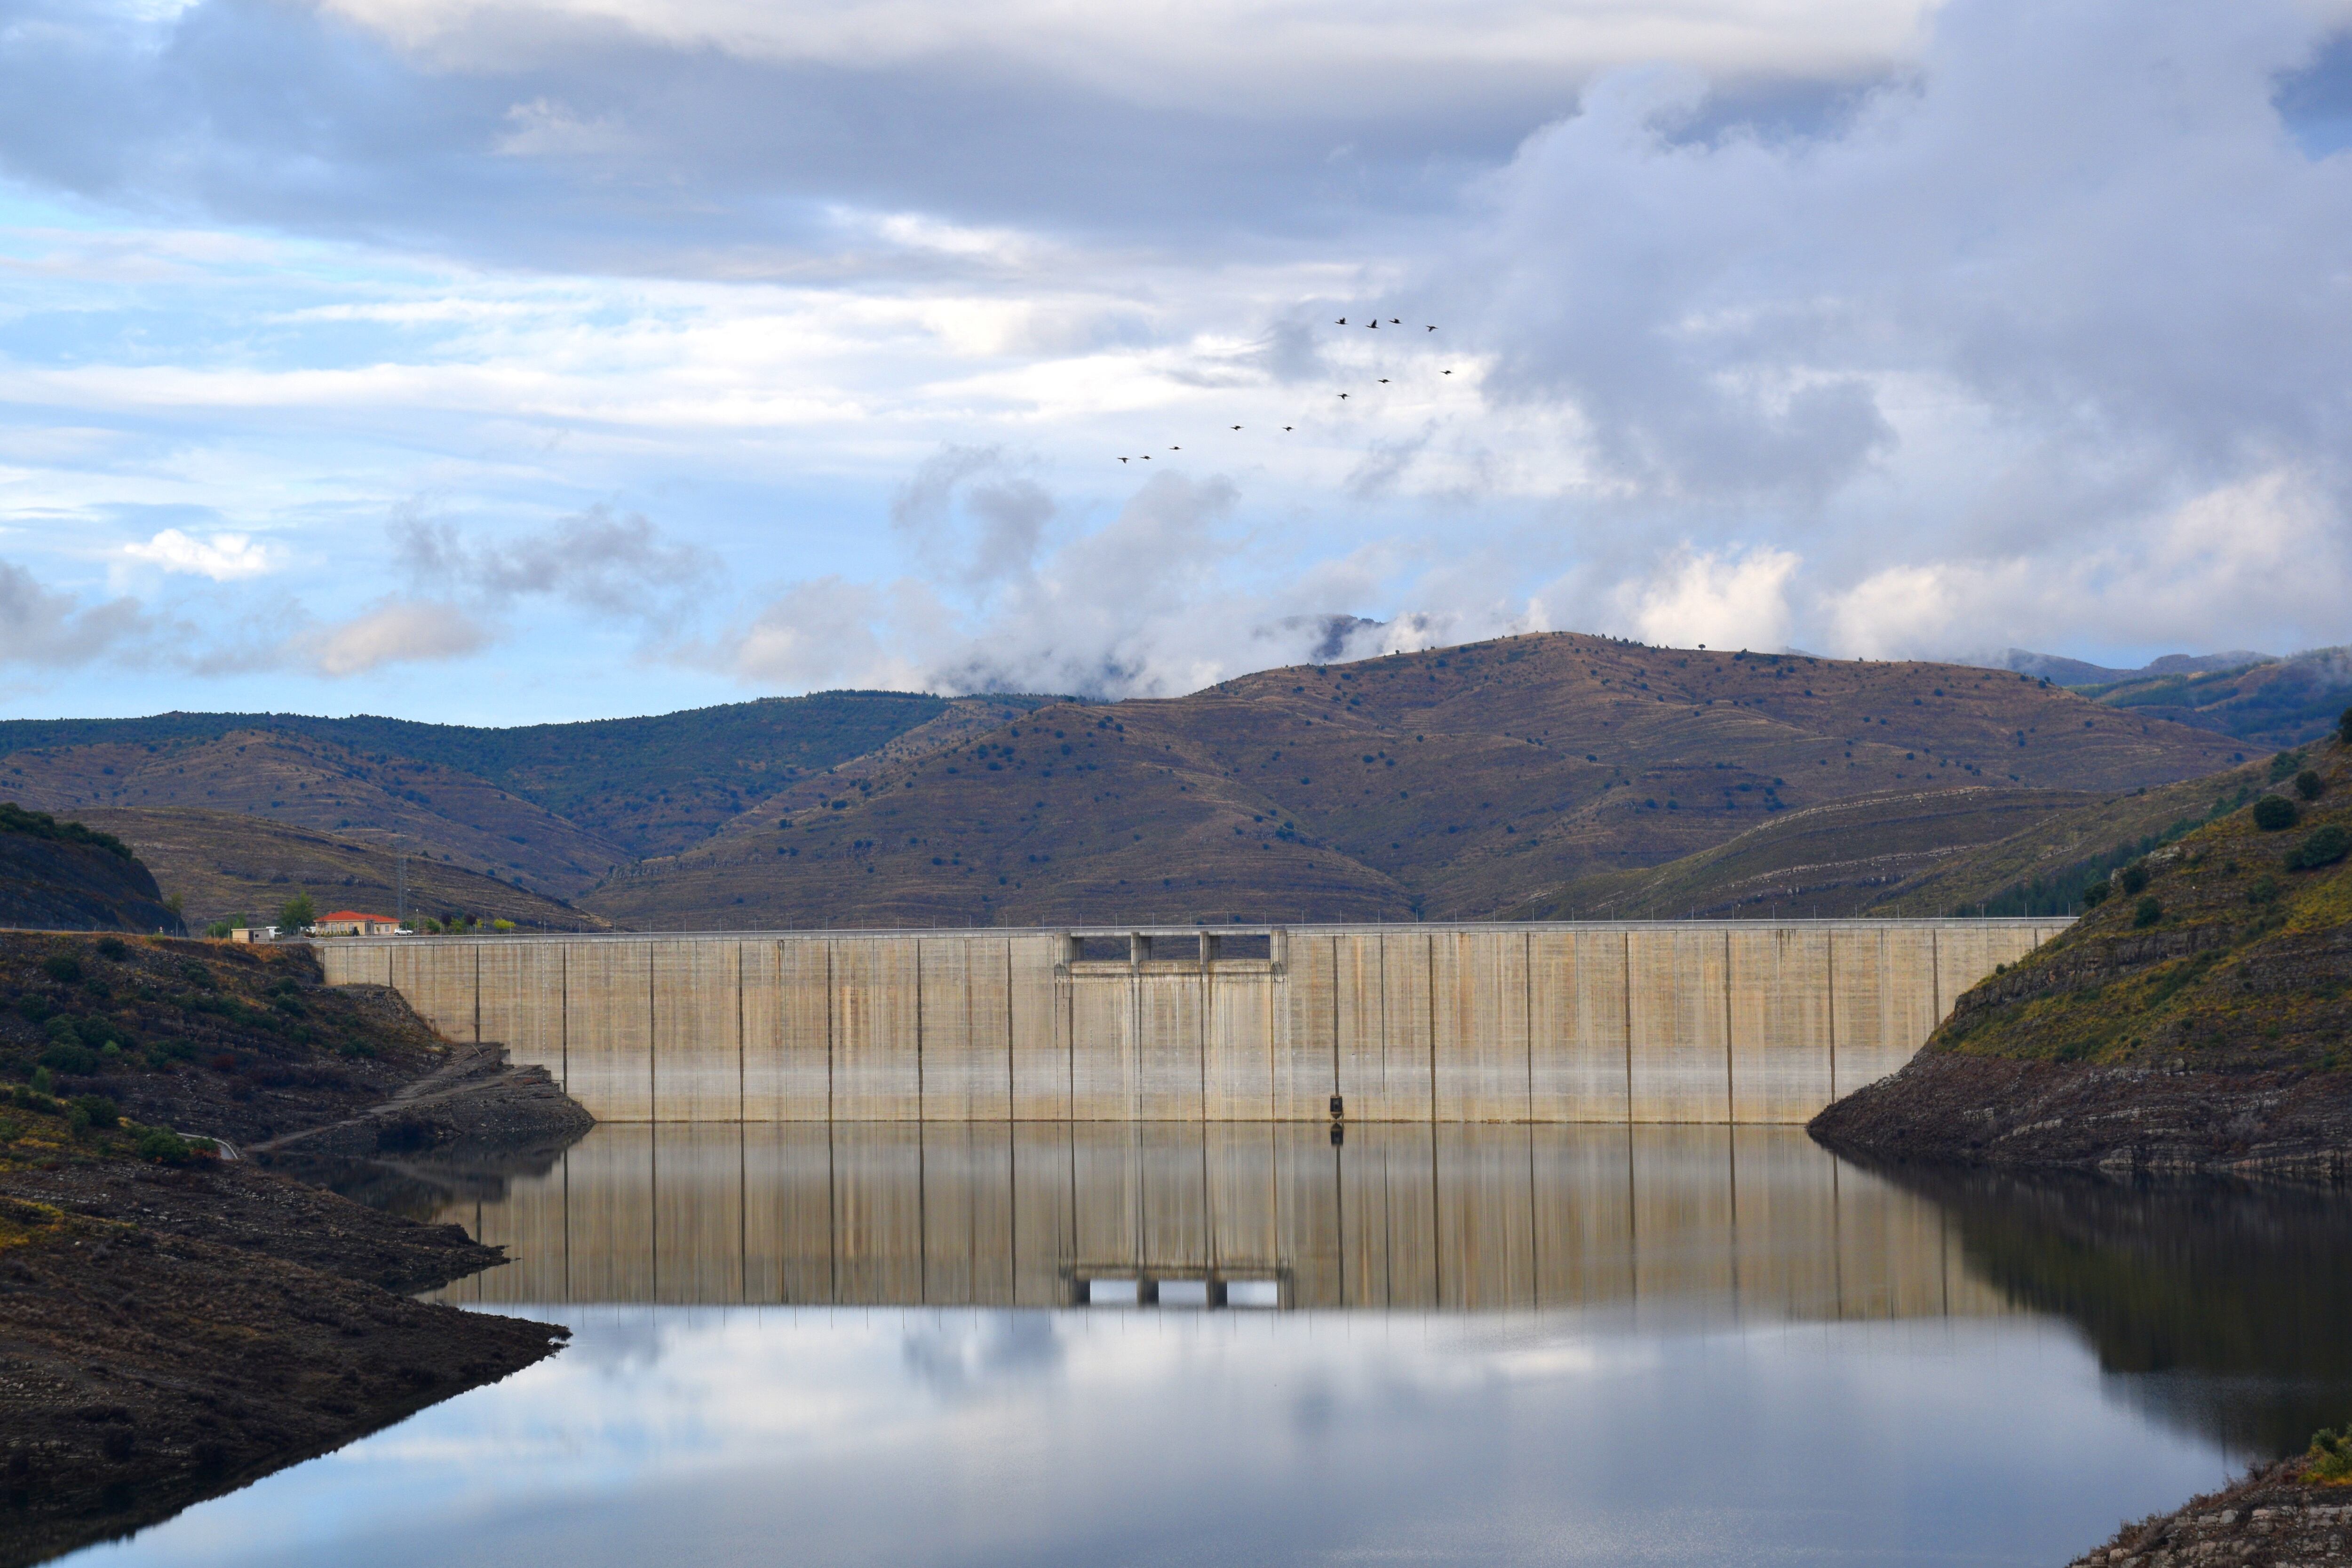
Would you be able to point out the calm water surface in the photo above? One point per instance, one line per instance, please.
(902, 1345)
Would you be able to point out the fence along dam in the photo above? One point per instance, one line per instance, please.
(1706, 1021)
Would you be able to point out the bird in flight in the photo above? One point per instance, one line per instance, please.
(1433, 329)
(1343, 320)
(1237, 427)
(1122, 460)
(1384, 381)
(1343, 394)
(1445, 373)
(1374, 324)
(1395, 322)
(1286, 427)
(1175, 449)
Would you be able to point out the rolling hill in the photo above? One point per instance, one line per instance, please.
(1438, 784)
(625, 787)
(224, 864)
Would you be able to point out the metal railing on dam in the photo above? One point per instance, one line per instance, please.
(1706, 1021)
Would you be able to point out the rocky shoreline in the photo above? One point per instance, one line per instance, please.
(2276, 1517)
(175, 1325)
(2290, 1124)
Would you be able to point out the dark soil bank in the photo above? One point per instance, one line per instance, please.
(172, 1325)
(2290, 1123)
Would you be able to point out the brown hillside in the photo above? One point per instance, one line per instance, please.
(1441, 783)
(1841, 858)
(223, 864)
(327, 788)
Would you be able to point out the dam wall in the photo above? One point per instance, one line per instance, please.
(1698, 1022)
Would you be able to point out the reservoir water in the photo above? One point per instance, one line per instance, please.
(1099, 1344)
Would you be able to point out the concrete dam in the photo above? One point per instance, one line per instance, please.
(1696, 1022)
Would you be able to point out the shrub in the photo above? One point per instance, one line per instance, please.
(112, 948)
(218, 930)
(2344, 726)
(2264, 891)
(168, 1148)
(2147, 912)
(2326, 846)
(2331, 1456)
(43, 1083)
(32, 1009)
(98, 1109)
(502, 926)
(67, 1057)
(2133, 877)
(2096, 893)
(62, 968)
(2308, 784)
(296, 912)
(2274, 814)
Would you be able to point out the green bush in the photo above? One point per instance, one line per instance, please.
(98, 1109)
(64, 1057)
(296, 912)
(2133, 877)
(62, 968)
(43, 1083)
(2096, 893)
(168, 1148)
(2331, 1456)
(219, 929)
(2308, 784)
(2147, 912)
(2264, 891)
(32, 1009)
(2274, 814)
(2326, 846)
(2344, 726)
(110, 947)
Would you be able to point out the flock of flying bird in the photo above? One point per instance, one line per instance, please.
(1374, 324)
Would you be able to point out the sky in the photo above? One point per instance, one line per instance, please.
(514, 361)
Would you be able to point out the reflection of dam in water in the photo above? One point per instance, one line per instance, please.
(1756, 1220)
(1702, 1022)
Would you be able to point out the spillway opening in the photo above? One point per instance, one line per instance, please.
(1113, 1292)
(1255, 945)
(1261, 1294)
(1101, 950)
(1191, 1294)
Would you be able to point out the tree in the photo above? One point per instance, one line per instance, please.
(2096, 893)
(298, 914)
(2147, 912)
(2274, 814)
(2308, 784)
(2344, 726)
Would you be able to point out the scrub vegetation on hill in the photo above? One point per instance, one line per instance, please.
(174, 1324)
(1446, 783)
(70, 875)
(1440, 784)
(2197, 1017)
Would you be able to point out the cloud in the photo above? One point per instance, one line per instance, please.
(616, 564)
(391, 632)
(47, 629)
(224, 557)
(1718, 600)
